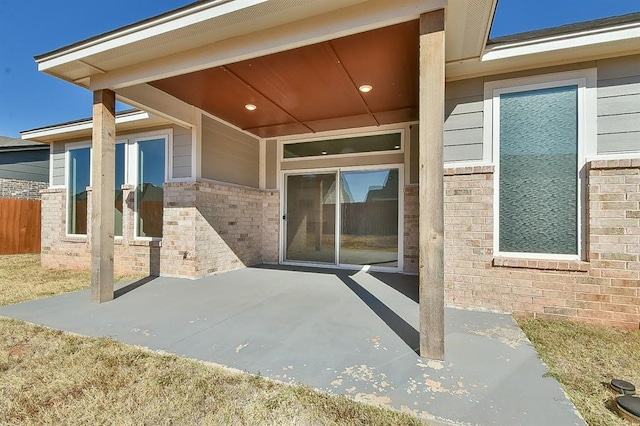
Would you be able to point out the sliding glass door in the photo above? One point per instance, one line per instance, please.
(344, 217)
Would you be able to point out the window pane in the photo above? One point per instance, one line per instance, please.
(311, 218)
(538, 171)
(373, 143)
(149, 193)
(369, 217)
(79, 173)
(117, 230)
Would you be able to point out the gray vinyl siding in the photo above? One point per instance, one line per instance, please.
(181, 153)
(32, 165)
(463, 126)
(58, 164)
(464, 112)
(229, 155)
(271, 159)
(619, 105)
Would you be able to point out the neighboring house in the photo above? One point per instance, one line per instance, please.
(281, 131)
(24, 172)
(24, 168)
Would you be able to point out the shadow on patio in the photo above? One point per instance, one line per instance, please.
(343, 332)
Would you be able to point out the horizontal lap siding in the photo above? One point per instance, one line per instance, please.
(463, 126)
(229, 155)
(30, 165)
(619, 105)
(181, 153)
(57, 164)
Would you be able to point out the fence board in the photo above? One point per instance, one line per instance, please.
(20, 226)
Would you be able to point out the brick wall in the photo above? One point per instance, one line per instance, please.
(602, 290)
(60, 251)
(207, 228)
(212, 227)
(16, 188)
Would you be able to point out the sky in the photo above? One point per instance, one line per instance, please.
(30, 99)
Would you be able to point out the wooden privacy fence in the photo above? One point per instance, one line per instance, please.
(19, 226)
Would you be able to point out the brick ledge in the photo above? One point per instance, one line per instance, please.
(627, 163)
(470, 170)
(551, 265)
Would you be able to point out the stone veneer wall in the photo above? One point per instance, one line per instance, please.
(17, 188)
(604, 289)
(207, 228)
(213, 227)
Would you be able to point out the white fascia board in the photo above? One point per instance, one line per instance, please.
(185, 18)
(371, 15)
(83, 125)
(582, 40)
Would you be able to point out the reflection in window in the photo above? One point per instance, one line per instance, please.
(79, 174)
(369, 217)
(538, 171)
(117, 230)
(149, 192)
(353, 145)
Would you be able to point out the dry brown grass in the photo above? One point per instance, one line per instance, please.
(584, 358)
(49, 377)
(22, 278)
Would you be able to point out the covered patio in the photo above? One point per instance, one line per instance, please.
(264, 71)
(344, 332)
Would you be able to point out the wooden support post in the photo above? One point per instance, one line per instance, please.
(103, 195)
(431, 222)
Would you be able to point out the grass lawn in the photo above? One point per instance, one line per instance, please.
(584, 358)
(51, 377)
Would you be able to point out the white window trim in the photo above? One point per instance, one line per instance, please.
(67, 174)
(337, 170)
(346, 134)
(586, 81)
(167, 135)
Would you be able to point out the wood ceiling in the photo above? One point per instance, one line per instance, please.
(313, 88)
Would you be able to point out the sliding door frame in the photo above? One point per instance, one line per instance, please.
(338, 218)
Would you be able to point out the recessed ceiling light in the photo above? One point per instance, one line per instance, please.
(397, 147)
(324, 152)
(365, 88)
(251, 107)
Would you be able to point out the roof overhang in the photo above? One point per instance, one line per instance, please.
(127, 120)
(216, 33)
(582, 45)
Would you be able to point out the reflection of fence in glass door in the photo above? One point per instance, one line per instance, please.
(310, 218)
(369, 217)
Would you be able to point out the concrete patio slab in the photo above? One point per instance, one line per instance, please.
(343, 332)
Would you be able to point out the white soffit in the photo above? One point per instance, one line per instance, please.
(468, 26)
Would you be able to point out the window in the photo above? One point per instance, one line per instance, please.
(539, 133)
(538, 208)
(78, 180)
(345, 145)
(141, 162)
(120, 180)
(149, 192)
